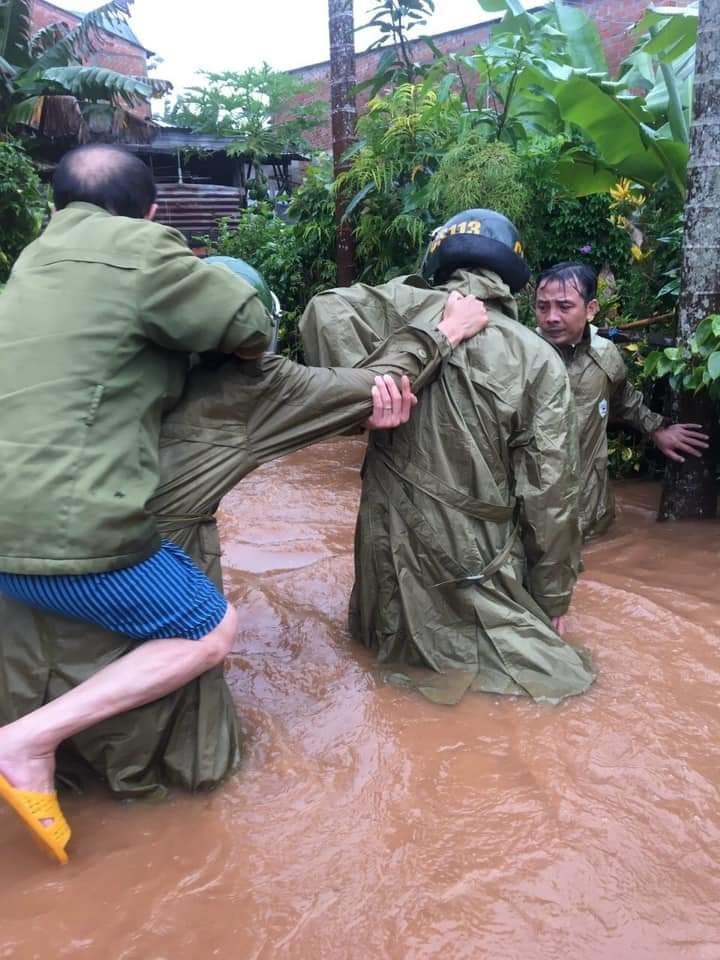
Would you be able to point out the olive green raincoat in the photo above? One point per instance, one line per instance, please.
(96, 324)
(229, 421)
(598, 377)
(468, 537)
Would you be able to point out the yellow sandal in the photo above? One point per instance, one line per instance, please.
(33, 808)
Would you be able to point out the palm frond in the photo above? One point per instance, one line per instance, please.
(57, 116)
(99, 83)
(83, 40)
(15, 31)
(42, 40)
(7, 70)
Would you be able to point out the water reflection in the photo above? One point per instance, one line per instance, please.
(368, 823)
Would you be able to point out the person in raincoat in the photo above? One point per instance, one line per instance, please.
(467, 542)
(234, 415)
(565, 306)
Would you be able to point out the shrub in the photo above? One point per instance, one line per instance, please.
(312, 212)
(478, 174)
(22, 203)
(295, 257)
(268, 243)
(559, 227)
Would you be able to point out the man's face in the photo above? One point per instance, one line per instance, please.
(562, 313)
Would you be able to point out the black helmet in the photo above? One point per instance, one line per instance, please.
(474, 239)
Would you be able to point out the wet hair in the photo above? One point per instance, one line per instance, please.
(578, 275)
(106, 176)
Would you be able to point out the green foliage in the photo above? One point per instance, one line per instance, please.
(415, 165)
(625, 454)
(95, 84)
(22, 203)
(560, 227)
(252, 104)
(544, 73)
(654, 228)
(475, 173)
(627, 450)
(530, 125)
(265, 112)
(668, 253)
(269, 244)
(312, 211)
(692, 367)
(43, 83)
(541, 90)
(396, 20)
(296, 258)
(403, 139)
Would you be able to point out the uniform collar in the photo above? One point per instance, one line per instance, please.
(570, 351)
(86, 207)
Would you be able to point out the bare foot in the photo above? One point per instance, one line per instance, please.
(30, 773)
(23, 767)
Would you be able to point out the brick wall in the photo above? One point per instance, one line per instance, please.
(366, 66)
(613, 17)
(113, 52)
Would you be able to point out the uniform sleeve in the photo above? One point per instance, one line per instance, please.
(627, 405)
(300, 405)
(336, 334)
(545, 461)
(186, 304)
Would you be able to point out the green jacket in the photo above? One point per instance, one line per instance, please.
(468, 538)
(96, 324)
(598, 378)
(228, 422)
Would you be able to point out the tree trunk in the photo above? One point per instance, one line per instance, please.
(343, 115)
(689, 489)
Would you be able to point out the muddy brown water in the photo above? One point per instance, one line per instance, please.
(367, 823)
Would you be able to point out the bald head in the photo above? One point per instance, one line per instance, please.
(107, 176)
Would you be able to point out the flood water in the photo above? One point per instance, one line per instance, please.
(368, 823)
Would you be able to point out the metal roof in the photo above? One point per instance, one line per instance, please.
(173, 139)
(121, 30)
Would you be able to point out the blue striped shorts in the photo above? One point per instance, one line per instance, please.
(164, 596)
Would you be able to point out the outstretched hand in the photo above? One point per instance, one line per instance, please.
(391, 406)
(681, 440)
(463, 317)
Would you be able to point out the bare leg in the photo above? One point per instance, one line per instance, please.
(152, 670)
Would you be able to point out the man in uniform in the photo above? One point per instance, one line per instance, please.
(233, 416)
(565, 306)
(468, 541)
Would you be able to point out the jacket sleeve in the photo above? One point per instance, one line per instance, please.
(335, 333)
(300, 405)
(627, 405)
(189, 305)
(545, 462)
